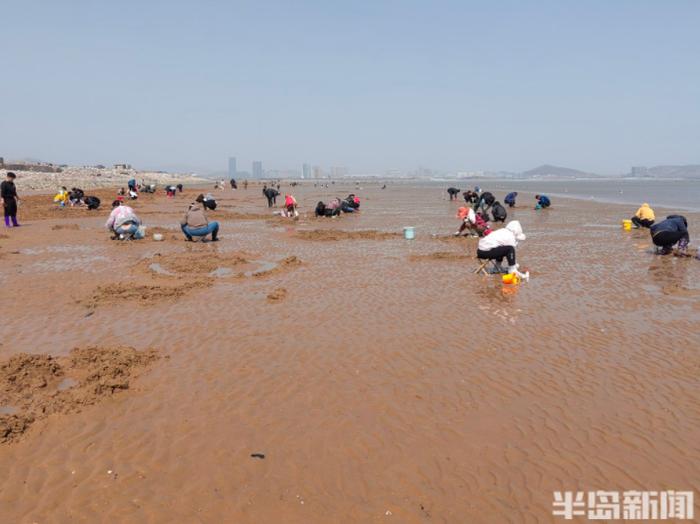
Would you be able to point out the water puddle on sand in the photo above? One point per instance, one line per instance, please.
(264, 267)
(59, 249)
(157, 268)
(8, 410)
(221, 272)
(67, 383)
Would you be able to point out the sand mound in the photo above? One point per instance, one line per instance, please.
(35, 386)
(194, 263)
(287, 264)
(441, 255)
(65, 227)
(277, 295)
(235, 215)
(143, 294)
(339, 234)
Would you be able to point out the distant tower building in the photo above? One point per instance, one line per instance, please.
(318, 172)
(306, 171)
(232, 167)
(257, 169)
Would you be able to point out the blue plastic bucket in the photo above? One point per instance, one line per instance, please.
(409, 233)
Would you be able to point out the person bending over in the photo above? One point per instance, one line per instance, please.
(668, 232)
(271, 194)
(510, 199)
(644, 217)
(290, 204)
(484, 203)
(472, 222)
(453, 192)
(501, 244)
(470, 197)
(122, 222)
(499, 212)
(543, 202)
(195, 223)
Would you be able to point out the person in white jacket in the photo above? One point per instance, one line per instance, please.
(501, 244)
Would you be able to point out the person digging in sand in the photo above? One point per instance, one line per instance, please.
(196, 224)
(644, 217)
(501, 244)
(122, 221)
(668, 232)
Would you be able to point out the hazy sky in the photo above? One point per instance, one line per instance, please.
(371, 85)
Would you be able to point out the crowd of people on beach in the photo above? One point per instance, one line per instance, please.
(483, 209)
(478, 217)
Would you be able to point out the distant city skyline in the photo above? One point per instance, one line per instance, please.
(370, 86)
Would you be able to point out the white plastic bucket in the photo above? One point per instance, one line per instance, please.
(409, 233)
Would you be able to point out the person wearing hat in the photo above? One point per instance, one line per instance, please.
(473, 222)
(644, 217)
(501, 244)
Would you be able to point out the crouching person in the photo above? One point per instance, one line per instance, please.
(195, 223)
(122, 222)
(501, 244)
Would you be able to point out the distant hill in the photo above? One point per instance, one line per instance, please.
(555, 171)
(688, 171)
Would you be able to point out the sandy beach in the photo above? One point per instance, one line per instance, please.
(375, 379)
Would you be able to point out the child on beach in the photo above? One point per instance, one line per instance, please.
(644, 217)
(61, 198)
(10, 200)
(668, 232)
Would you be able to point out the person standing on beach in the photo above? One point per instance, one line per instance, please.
(644, 217)
(10, 200)
(669, 232)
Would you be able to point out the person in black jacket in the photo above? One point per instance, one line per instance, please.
(668, 232)
(8, 193)
(499, 212)
(485, 202)
(453, 192)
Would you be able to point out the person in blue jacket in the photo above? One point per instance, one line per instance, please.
(668, 232)
(510, 198)
(542, 201)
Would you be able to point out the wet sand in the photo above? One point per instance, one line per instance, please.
(381, 379)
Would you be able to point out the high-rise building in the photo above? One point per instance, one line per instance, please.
(318, 172)
(339, 172)
(306, 171)
(257, 169)
(232, 167)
